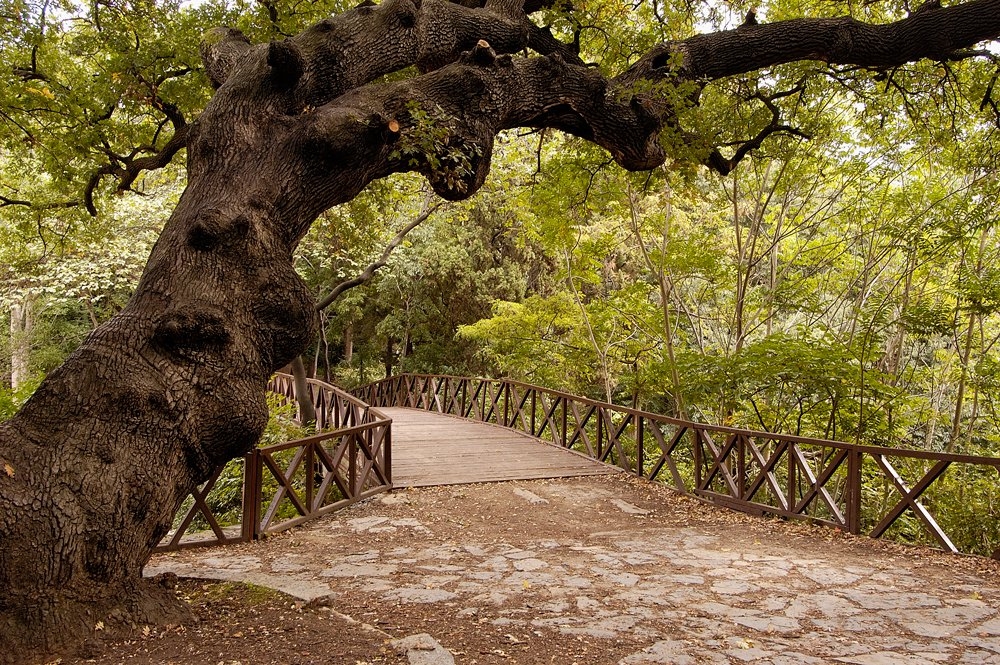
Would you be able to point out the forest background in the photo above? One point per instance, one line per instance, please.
(842, 282)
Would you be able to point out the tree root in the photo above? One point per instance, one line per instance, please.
(67, 626)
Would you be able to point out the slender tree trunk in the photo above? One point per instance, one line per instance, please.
(738, 309)
(389, 357)
(21, 325)
(894, 352)
(599, 351)
(349, 343)
(772, 274)
(936, 397)
(956, 420)
(324, 343)
(91, 313)
(307, 412)
(666, 287)
(966, 351)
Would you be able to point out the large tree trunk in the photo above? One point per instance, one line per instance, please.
(94, 465)
(100, 457)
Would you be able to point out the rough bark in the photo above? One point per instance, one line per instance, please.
(94, 465)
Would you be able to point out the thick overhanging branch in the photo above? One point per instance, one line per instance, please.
(375, 128)
(443, 124)
(936, 34)
(326, 72)
(361, 45)
(346, 130)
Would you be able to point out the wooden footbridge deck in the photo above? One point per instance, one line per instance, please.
(432, 449)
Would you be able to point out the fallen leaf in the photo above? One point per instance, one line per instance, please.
(99, 625)
(8, 469)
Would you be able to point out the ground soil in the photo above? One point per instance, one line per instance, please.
(243, 624)
(447, 542)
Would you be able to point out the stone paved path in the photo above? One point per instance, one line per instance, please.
(609, 570)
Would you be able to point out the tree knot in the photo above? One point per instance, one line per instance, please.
(481, 55)
(192, 332)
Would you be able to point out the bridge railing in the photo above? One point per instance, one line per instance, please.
(283, 485)
(881, 492)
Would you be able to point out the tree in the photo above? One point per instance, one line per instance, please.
(94, 464)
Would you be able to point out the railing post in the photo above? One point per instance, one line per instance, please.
(565, 423)
(505, 392)
(741, 466)
(352, 465)
(387, 452)
(250, 528)
(310, 462)
(640, 433)
(853, 499)
(534, 407)
(600, 433)
(696, 455)
(793, 474)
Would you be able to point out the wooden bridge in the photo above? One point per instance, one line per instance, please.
(418, 430)
(433, 449)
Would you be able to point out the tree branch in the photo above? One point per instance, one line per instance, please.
(222, 49)
(6, 201)
(934, 34)
(719, 163)
(131, 167)
(341, 133)
(362, 44)
(370, 271)
(377, 130)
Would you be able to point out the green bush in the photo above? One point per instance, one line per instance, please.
(11, 400)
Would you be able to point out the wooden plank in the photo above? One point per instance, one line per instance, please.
(432, 449)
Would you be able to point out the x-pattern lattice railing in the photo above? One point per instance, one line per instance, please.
(286, 484)
(860, 489)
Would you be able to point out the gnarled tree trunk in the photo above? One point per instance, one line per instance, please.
(95, 464)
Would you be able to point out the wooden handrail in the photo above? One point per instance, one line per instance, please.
(328, 471)
(669, 420)
(827, 482)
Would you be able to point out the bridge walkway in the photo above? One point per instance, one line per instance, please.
(432, 449)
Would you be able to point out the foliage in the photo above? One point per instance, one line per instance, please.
(12, 399)
(426, 143)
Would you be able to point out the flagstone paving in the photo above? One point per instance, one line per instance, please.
(612, 570)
